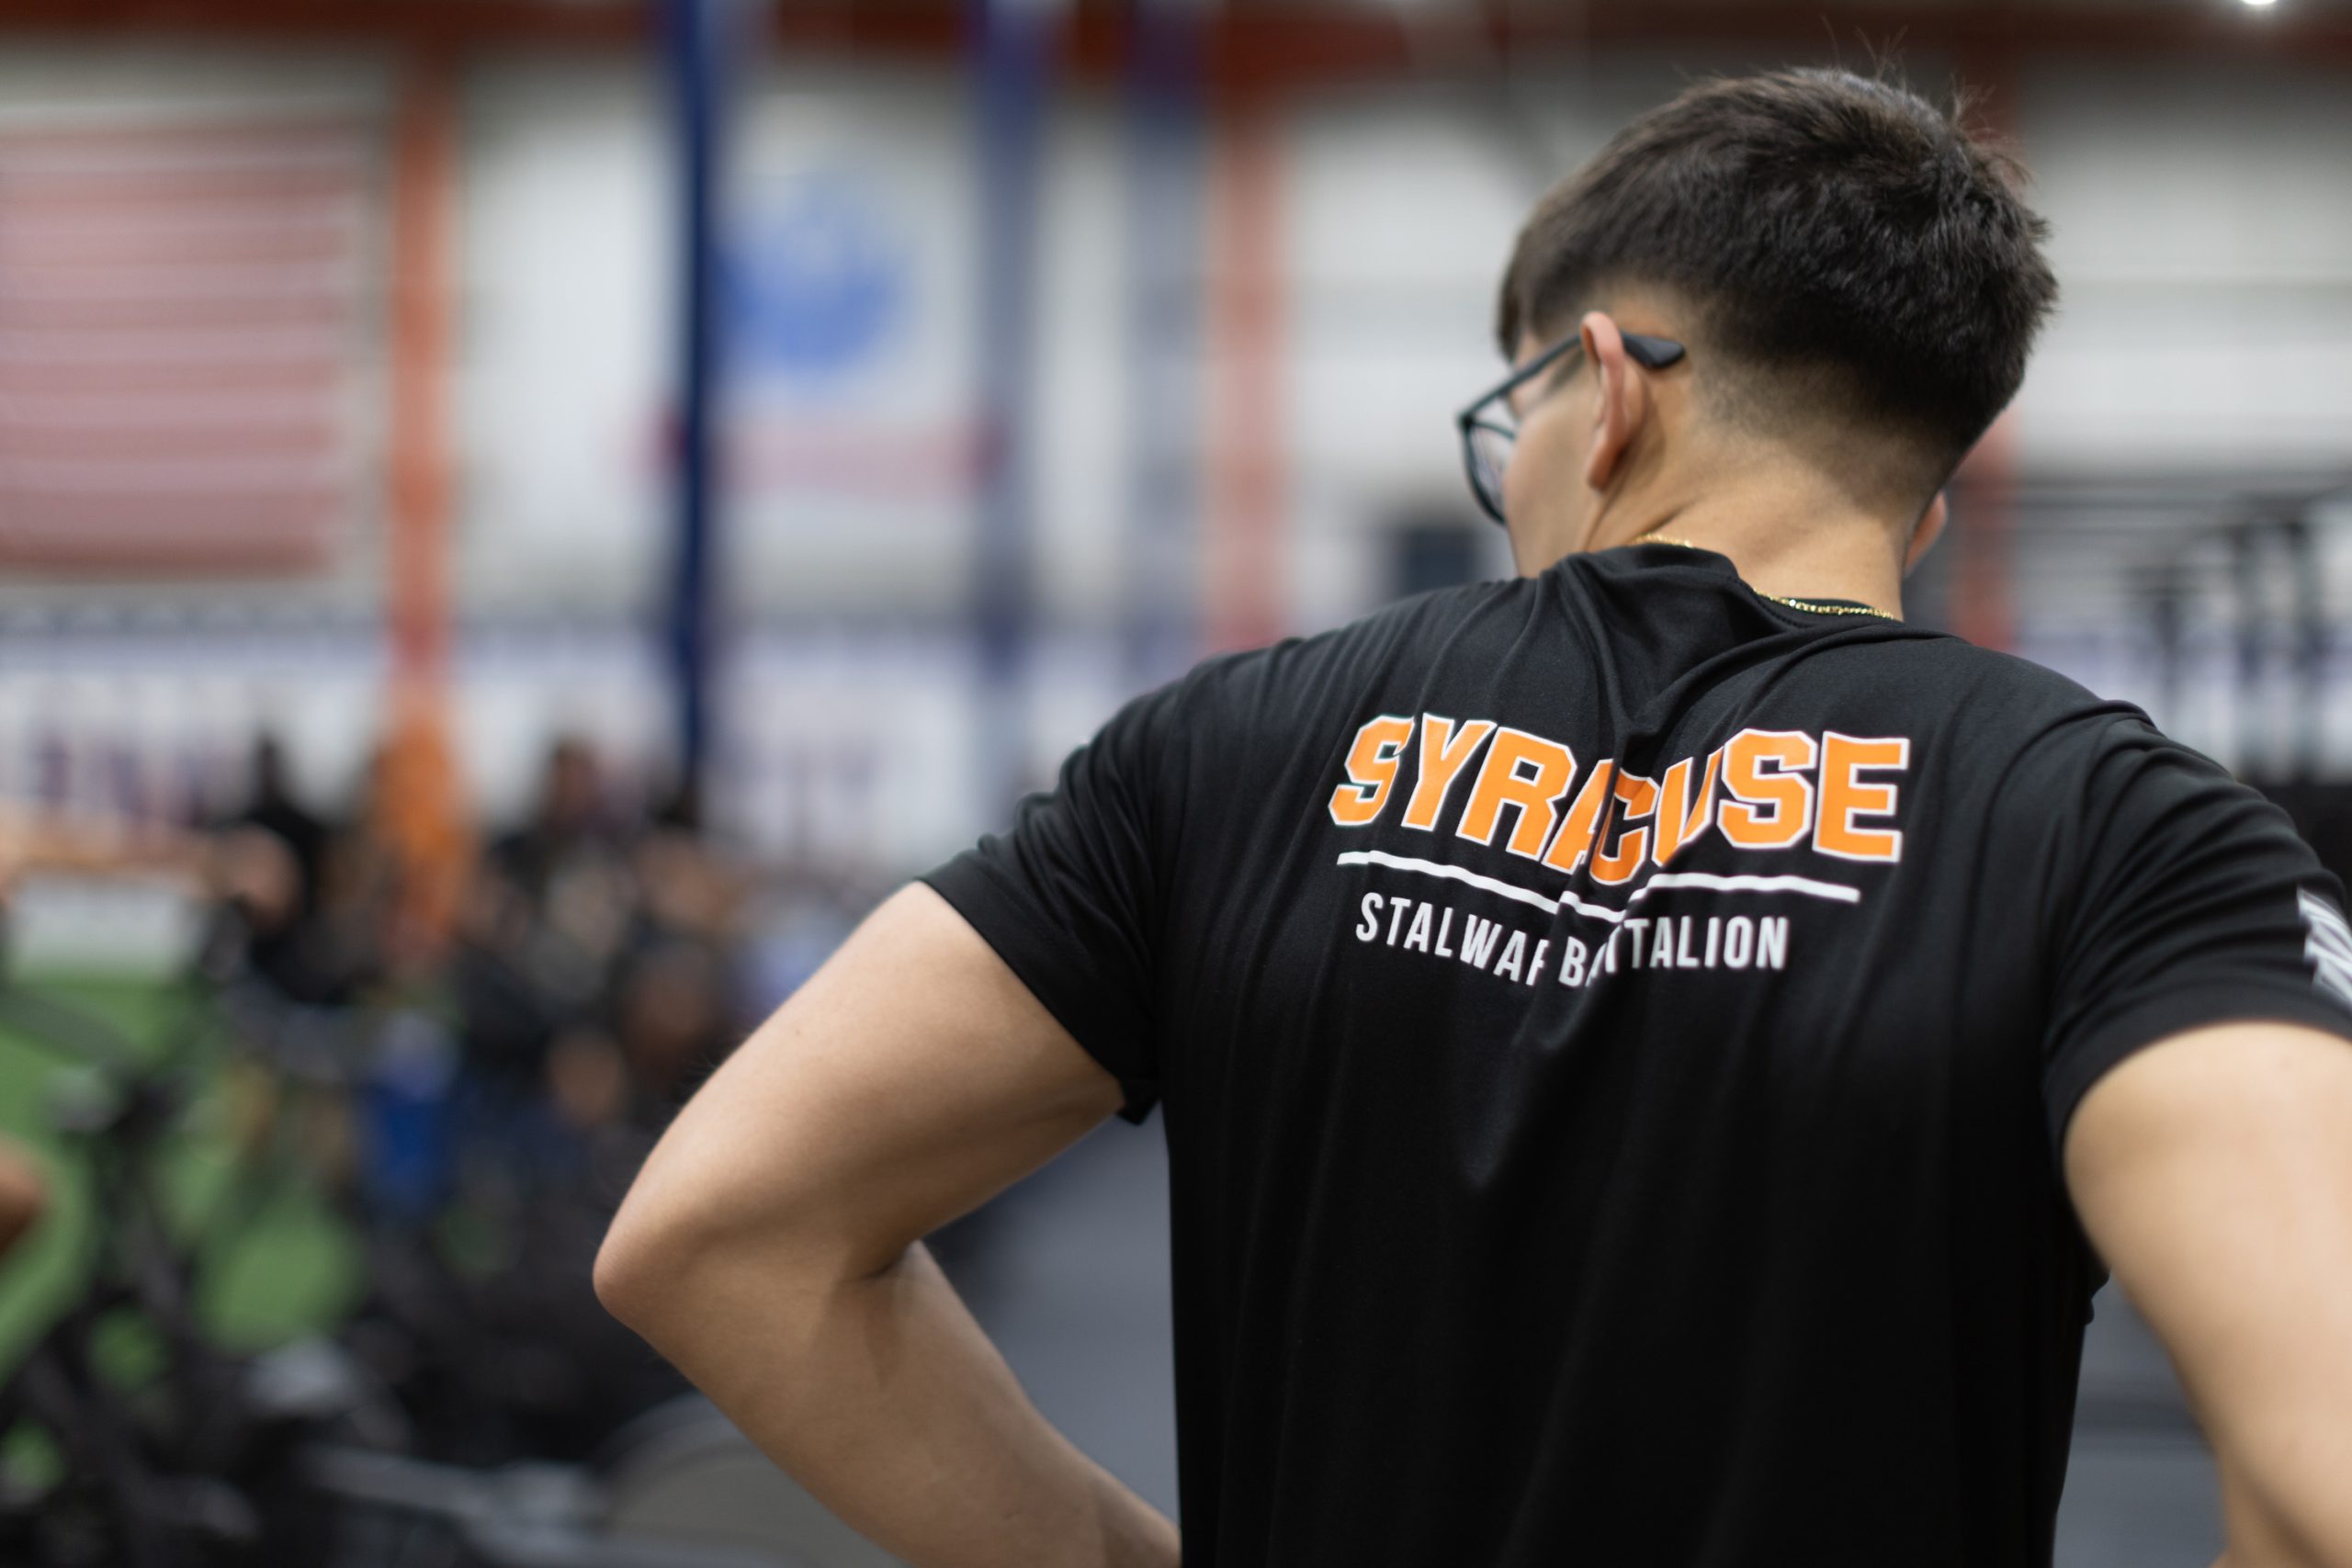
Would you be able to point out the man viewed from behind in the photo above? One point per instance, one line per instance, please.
(1655, 1050)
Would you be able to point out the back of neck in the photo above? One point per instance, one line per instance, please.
(1796, 549)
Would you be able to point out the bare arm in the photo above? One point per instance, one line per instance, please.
(769, 1248)
(90, 842)
(23, 1195)
(2213, 1173)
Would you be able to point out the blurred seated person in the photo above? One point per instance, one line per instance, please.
(270, 805)
(569, 863)
(507, 1015)
(571, 821)
(672, 1015)
(323, 950)
(687, 888)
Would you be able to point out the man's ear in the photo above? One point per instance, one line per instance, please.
(1929, 529)
(1622, 399)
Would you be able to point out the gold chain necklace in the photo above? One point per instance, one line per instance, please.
(1813, 606)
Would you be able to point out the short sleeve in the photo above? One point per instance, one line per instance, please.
(2193, 902)
(1070, 898)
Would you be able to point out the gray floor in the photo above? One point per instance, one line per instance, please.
(1069, 1275)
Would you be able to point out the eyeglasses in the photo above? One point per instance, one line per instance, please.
(1488, 436)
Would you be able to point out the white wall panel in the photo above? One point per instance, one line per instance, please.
(568, 271)
(2202, 236)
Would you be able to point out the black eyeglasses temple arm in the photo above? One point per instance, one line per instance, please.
(1657, 352)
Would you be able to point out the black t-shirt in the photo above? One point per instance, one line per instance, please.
(1615, 1032)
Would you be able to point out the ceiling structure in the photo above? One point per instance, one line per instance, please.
(1297, 41)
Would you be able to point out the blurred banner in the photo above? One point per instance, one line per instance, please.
(184, 306)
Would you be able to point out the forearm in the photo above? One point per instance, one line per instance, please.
(883, 1398)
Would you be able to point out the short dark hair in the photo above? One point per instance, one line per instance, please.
(1824, 224)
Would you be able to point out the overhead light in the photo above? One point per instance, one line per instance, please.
(2258, 4)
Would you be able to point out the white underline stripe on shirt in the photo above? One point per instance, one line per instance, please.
(1456, 873)
(1838, 892)
(1833, 891)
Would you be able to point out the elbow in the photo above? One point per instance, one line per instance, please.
(620, 1268)
(669, 1259)
(680, 1251)
(641, 1267)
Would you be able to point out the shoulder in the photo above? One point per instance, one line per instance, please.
(1990, 704)
(2039, 761)
(1309, 670)
(1932, 664)
(2049, 720)
(1252, 714)
(2086, 788)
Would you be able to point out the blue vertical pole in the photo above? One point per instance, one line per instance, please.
(693, 33)
(1167, 128)
(1012, 41)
